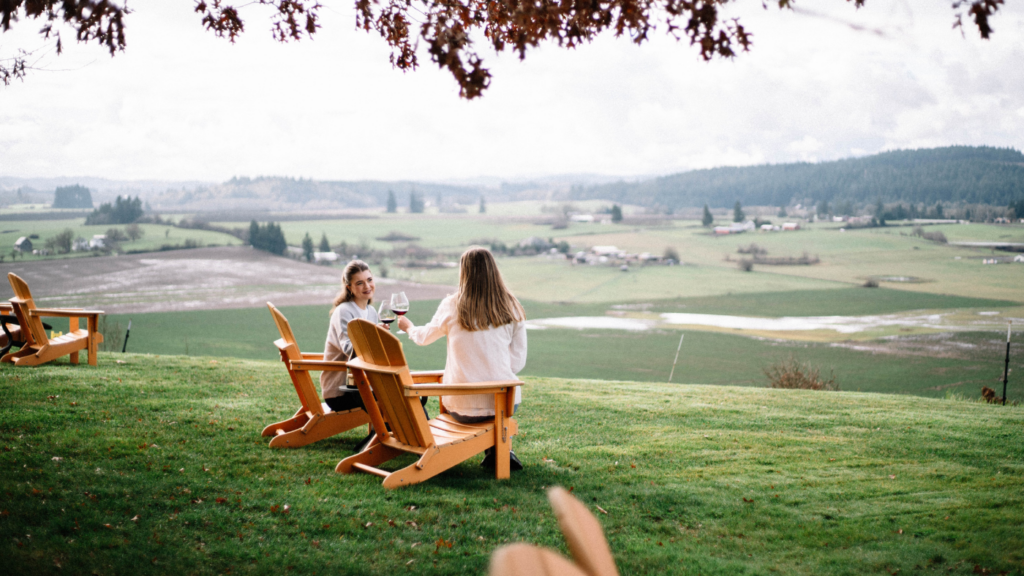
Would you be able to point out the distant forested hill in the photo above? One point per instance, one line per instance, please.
(958, 174)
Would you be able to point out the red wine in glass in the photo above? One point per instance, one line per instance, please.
(400, 303)
(386, 314)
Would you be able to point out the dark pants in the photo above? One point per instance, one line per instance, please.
(350, 400)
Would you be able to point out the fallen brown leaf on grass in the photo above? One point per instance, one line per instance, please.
(413, 524)
(442, 543)
(136, 518)
(221, 500)
(892, 476)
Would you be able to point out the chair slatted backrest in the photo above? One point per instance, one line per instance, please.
(583, 534)
(379, 347)
(303, 383)
(23, 304)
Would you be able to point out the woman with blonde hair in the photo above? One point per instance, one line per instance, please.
(486, 330)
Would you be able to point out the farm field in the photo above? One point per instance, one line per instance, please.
(154, 238)
(155, 466)
(915, 361)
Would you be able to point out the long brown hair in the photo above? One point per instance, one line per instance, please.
(354, 267)
(483, 300)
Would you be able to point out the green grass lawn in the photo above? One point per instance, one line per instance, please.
(155, 466)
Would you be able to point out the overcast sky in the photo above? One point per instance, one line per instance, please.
(181, 104)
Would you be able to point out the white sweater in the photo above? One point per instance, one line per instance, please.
(478, 356)
(339, 347)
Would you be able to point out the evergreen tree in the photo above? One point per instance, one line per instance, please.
(415, 203)
(122, 211)
(737, 213)
(325, 246)
(307, 247)
(254, 233)
(880, 212)
(782, 212)
(708, 219)
(483, 205)
(938, 210)
(268, 237)
(392, 203)
(823, 209)
(616, 213)
(72, 197)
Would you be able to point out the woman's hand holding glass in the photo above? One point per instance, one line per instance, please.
(405, 324)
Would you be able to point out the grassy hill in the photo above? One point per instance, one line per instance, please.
(154, 465)
(956, 174)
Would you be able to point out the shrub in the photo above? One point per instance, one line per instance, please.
(792, 374)
(871, 283)
(746, 265)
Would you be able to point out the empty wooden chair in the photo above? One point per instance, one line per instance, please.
(314, 420)
(392, 395)
(38, 348)
(583, 534)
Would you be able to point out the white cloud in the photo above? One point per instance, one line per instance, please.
(182, 104)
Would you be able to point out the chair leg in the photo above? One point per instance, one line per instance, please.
(374, 455)
(320, 428)
(294, 423)
(436, 460)
(74, 357)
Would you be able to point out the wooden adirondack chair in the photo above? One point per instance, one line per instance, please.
(583, 534)
(38, 348)
(392, 395)
(314, 420)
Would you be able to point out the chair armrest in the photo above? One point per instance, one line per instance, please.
(64, 312)
(312, 355)
(493, 387)
(324, 365)
(427, 376)
(6, 308)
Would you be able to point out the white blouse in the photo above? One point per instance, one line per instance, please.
(477, 356)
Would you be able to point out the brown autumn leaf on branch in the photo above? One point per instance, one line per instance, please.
(448, 29)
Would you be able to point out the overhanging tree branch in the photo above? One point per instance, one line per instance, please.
(446, 28)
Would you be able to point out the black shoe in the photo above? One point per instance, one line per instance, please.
(363, 443)
(513, 460)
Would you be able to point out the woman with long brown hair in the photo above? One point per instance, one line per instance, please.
(486, 330)
(353, 301)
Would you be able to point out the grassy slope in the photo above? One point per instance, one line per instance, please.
(155, 235)
(694, 479)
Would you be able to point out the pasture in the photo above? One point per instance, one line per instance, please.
(155, 466)
(918, 361)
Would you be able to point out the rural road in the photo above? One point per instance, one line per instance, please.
(199, 279)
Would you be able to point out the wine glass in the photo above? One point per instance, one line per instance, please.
(400, 304)
(386, 314)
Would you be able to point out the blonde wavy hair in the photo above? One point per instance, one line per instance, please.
(483, 301)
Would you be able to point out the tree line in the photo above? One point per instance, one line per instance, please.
(956, 174)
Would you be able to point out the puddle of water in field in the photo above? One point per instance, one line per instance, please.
(841, 324)
(592, 323)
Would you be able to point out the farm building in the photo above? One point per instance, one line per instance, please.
(98, 241)
(325, 257)
(80, 245)
(1019, 258)
(23, 245)
(735, 228)
(791, 226)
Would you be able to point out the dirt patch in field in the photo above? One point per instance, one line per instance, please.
(200, 279)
